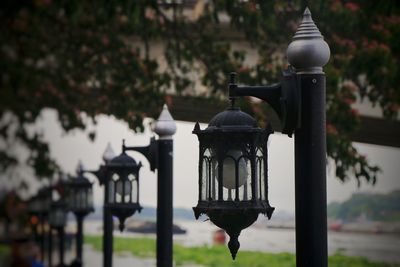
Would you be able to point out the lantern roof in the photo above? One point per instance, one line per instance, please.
(232, 117)
(123, 160)
(44, 192)
(80, 181)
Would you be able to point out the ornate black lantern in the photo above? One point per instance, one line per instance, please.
(33, 205)
(233, 179)
(123, 187)
(44, 200)
(80, 195)
(58, 214)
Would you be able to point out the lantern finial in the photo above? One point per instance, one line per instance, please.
(108, 154)
(80, 167)
(233, 244)
(121, 225)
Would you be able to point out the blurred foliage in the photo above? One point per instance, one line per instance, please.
(96, 57)
(377, 207)
(218, 256)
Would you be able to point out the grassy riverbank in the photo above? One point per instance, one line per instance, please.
(219, 256)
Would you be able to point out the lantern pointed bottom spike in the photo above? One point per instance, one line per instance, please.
(233, 245)
(269, 213)
(121, 226)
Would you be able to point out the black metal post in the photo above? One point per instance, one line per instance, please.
(42, 237)
(79, 241)
(50, 247)
(34, 228)
(310, 172)
(164, 203)
(308, 53)
(165, 127)
(108, 228)
(61, 236)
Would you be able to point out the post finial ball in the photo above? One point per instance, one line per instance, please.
(165, 126)
(308, 52)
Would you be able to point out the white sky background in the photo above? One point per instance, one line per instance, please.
(67, 149)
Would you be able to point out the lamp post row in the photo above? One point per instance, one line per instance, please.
(233, 164)
(120, 177)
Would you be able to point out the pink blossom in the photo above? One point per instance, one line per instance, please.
(330, 129)
(352, 6)
(105, 40)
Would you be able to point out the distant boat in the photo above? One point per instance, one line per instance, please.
(336, 226)
(146, 227)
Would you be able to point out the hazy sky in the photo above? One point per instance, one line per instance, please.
(67, 149)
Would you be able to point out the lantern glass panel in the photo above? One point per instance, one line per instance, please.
(228, 177)
(133, 182)
(46, 203)
(77, 200)
(90, 197)
(123, 188)
(245, 190)
(111, 188)
(233, 165)
(205, 179)
(260, 174)
(57, 217)
(70, 199)
(82, 198)
(213, 180)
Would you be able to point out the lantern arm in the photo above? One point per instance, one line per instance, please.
(269, 93)
(150, 152)
(100, 173)
(283, 97)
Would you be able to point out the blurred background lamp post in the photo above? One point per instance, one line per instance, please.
(57, 220)
(33, 205)
(44, 199)
(80, 202)
(123, 188)
(299, 101)
(108, 225)
(160, 156)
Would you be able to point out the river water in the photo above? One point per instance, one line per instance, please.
(376, 247)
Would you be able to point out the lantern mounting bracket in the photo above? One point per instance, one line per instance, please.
(150, 152)
(283, 97)
(100, 173)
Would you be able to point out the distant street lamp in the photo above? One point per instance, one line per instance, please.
(80, 202)
(159, 153)
(108, 225)
(123, 187)
(33, 206)
(233, 151)
(44, 200)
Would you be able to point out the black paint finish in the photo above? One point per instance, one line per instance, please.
(310, 172)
